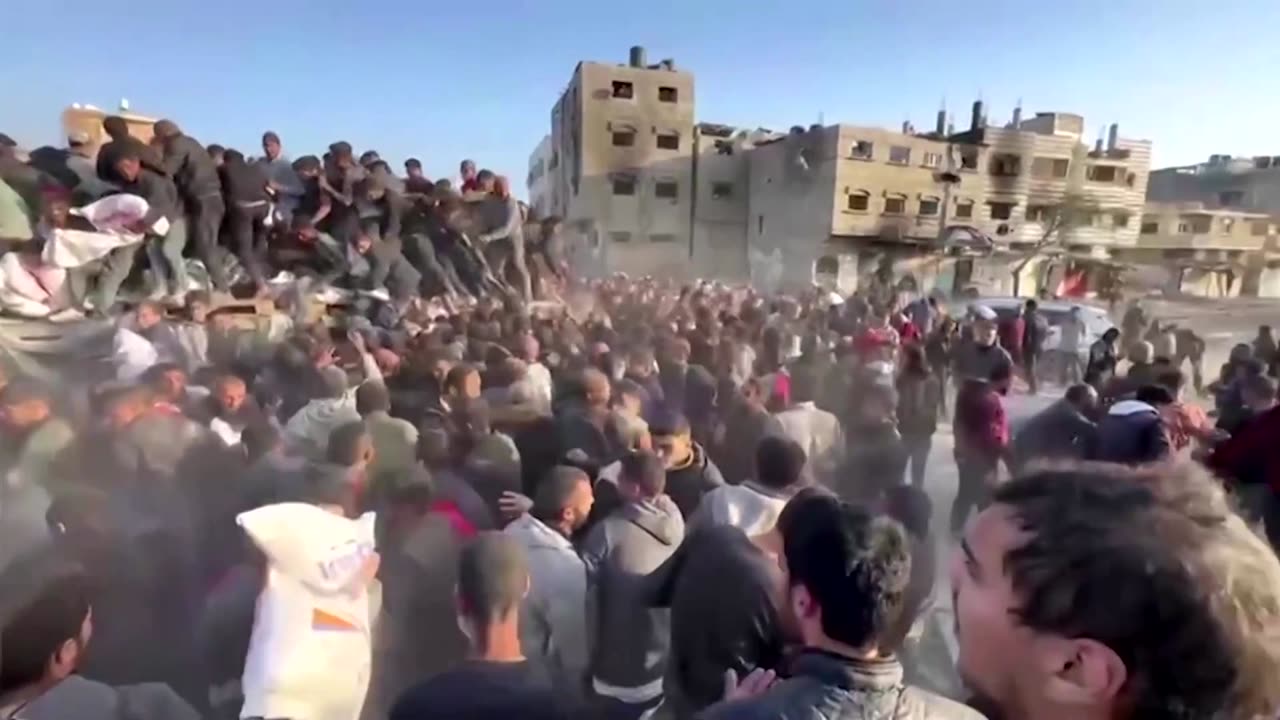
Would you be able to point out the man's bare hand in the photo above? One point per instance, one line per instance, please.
(754, 684)
(512, 505)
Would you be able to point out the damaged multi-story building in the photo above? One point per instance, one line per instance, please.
(646, 189)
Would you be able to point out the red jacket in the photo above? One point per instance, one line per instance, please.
(1252, 455)
(981, 426)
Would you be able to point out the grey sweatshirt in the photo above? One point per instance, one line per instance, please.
(631, 639)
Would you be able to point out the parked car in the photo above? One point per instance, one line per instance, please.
(1055, 312)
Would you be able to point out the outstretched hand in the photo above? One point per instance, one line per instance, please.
(754, 684)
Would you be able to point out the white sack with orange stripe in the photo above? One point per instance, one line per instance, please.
(310, 652)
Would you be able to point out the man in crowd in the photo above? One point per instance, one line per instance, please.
(553, 624)
(981, 439)
(753, 506)
(1250, 458)
(845, 576)
(1133, 432)
(815, 430)
(395, 441)
(164, 246)
(283, 182)
(196, 177)
(47, 626)
(117, 128)
(498, 680)
(1063, 431)
(630, 639)
(690, 472)
(1143, 637)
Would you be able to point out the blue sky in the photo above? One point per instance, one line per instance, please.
(441, 81)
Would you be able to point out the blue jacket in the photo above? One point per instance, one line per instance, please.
(1131, 433)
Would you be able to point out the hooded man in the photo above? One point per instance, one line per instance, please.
(631, 639)
(552, 617)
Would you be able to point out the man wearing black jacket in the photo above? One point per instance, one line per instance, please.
(118, 130)
(164, 250)
(196, 178)
(248, 204)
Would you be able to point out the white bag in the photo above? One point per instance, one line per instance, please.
(111, 216)
(310, 651)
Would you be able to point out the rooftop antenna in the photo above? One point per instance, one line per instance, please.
(124, 104)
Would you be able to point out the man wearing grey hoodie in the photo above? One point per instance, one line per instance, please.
(630, 639)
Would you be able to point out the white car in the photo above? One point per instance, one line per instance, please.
(1055, 312)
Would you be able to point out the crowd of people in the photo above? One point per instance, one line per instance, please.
(339, 220)
(652, 501)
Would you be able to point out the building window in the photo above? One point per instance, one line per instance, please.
(1184, 228)
(721, 190)
(1150, 227)
(964, 208)
(624, 185)
(662, 238)
(624, 138)
(620, 236)
(862, 150)
(1260, 229)
(1046, 168)
(1103, 173)
(858, 201)
(1231, 198)
(899, 154)
(1001, 210)
(668, 189)
(759, 224)
(724, 147)
(895, 206)
(668, 141)
(932, 159)
(623, 90)
(969, 158)
(1006, 165)
(928, 207)
(827, 265)
(668, 94)
(1038, 213)
(1228, 225)
(555, 159)
(1120, 220)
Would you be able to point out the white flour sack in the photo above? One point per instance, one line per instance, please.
(309, 656)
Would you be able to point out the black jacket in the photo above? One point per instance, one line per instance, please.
(1059, 432)
(243, 183)
(112, 150)
(688, 483)
(824, 686)
(191, 168)
(479, 690)
(718, 585)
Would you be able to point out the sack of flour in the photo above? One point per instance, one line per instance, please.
(310, 651)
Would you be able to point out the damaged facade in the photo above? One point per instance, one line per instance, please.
(646, 190)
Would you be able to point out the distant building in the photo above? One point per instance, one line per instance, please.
(1208, 251)
(645, 190)
(1249, 184)
(88, 120)
(538, 182)
(621, 167)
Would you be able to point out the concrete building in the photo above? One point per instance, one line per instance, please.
(1251, 184)
(1197, 249)
(537, 182)
(646, 190)
(621, 167)
(835, 204)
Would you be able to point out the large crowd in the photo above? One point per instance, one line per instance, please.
(640, 500)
